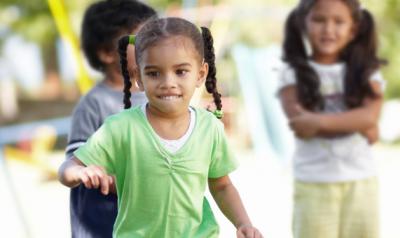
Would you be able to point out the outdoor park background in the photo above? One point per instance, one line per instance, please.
(43, 74)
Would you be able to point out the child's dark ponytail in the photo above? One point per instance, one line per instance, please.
(209, 57)
(295, 54)
(362, 61)
(122, 47)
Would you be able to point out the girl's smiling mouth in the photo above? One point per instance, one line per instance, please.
(169, 97)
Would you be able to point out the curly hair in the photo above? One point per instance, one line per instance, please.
(105, 21)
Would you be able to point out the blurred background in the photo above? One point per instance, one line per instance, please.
(43, 74)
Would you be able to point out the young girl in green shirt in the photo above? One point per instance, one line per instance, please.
(163, 153)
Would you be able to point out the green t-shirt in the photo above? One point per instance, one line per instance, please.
(160, 194)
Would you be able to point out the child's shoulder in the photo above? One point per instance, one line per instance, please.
(101, 98)
(207, 118)
(124, 117)
(285, 70)
(101, 89)
(95, 95)
(284, 66)
(203, 113)
(285, 75)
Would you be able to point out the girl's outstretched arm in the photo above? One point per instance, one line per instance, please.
(228, 200)
(308, 124)
(73, 172)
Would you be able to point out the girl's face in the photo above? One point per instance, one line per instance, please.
(169, 73)
(329, 28)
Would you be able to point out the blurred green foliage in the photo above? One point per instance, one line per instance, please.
(389, 33)
(31, 19)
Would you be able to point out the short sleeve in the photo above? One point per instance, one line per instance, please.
(222, 161)
(100, 149)
(378, 77)
(84, 122)
(286, 77)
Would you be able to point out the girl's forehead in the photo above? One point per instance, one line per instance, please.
(331, 8)
(170, 49)
(175, 44)
(331, 5)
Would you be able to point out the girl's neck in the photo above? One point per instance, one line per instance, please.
(325, 59)
(166, 125)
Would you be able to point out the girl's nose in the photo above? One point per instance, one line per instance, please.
(169, 81)
(329, 27)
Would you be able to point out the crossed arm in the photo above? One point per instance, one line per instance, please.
(306, 124)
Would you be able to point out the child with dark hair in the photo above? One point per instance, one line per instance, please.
(332, 91)
(164, 152)
(92, 213)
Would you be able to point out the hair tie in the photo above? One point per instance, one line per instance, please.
(132, 39)
(218, 113)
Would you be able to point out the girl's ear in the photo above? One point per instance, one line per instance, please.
(354, 31)
(134, 77)
(130, 57)
(202, 74)
(138, 79)
(107, 57)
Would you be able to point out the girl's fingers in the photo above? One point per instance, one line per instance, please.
(249, 234)
(113, 188)
(299, 109)
(93, 178)
(96, 177)
(105, 185)
(246, 233)
(299, 135)
(239, 234)
(253, 233)
(104, 181)
(86, 181)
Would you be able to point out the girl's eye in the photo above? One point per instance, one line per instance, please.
(181, 72)
(339, 22)
(318, 20)
(152, 74)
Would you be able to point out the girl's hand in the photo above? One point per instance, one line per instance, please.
(305, 124)
(113, 186)
(371, 134)
(95, 177)
(248, 231)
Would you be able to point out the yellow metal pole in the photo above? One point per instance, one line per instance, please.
(60, 16)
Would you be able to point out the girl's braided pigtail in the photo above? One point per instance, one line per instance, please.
(122, 47)
(211, 80)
